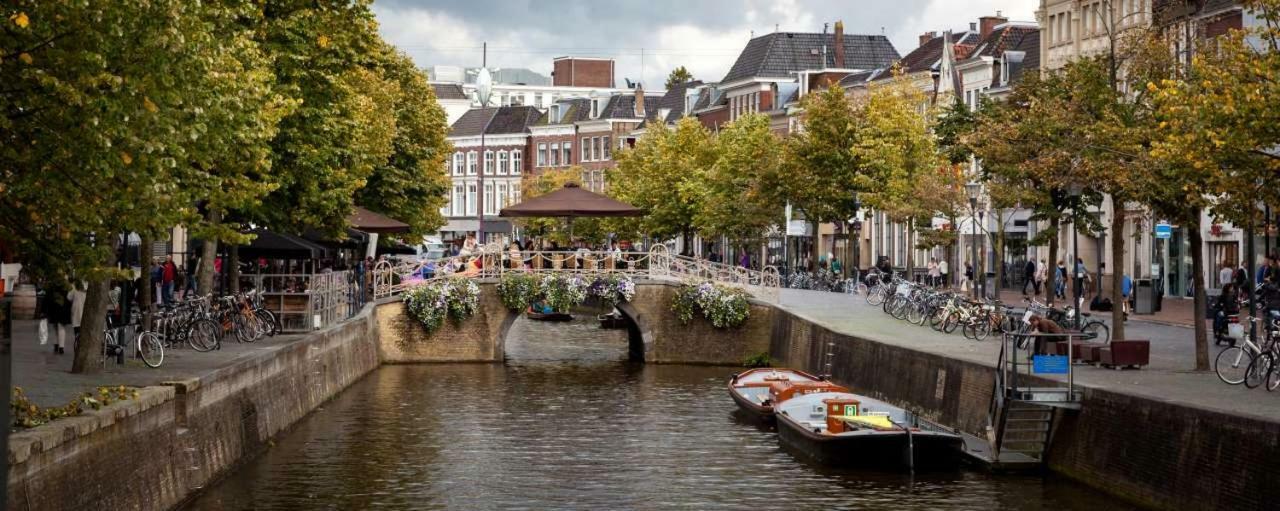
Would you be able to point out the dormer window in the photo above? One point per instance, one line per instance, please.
(555, 113)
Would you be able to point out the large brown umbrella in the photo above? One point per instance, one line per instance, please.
(571, 201)
(364, 220)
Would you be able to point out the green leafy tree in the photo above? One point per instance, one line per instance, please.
(678, 76)
(664, 175)
(735, 201)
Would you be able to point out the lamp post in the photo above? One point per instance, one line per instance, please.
(484, 89)
(972, 189)
(1073, 191)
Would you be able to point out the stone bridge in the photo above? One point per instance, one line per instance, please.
(655, 334)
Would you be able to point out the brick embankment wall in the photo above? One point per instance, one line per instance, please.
(1154, 453)
(479, 338)
(154, 452)
(667, 341)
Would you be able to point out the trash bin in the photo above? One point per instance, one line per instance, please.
(1145, 297)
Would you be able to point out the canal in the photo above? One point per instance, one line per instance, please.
(568, 423)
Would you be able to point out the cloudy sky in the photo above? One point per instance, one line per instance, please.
(703, 35)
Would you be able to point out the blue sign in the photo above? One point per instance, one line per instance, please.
(1049, 364)
(1164, 231)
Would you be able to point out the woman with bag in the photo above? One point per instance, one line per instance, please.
(58, 315)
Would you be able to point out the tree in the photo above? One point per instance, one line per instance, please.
(663, 175)
(678, 76)
(556, 229)
(411, 184)
(735, 202)
(821, 175)
(897, 150)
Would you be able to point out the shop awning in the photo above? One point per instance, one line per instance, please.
(364, 220)
(275, 245)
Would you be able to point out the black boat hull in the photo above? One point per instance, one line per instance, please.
(869, 449)
(554, 316)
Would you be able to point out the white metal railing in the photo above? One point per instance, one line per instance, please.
(390, 279)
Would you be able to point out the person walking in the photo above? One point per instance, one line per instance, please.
(168, 275)
(934, 276)
(1060, 281)
(1029, 277)
(1078, 283)
(58, 311)
(942, 273)
(968, 276)
(1042, 272)
(1225, 274)
(75, 300)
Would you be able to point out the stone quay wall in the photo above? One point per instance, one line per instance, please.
(154, 452)
(1153, 453)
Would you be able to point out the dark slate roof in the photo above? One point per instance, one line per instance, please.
(674, 100)
(780, 54)
(862, 77)
(623, 106)
(501, 121)
(927, 55)
(1007, 37)
(449, 91)
(579, 109)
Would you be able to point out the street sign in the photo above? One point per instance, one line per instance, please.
(1164, 231)
(1049, 364)
(797, 228)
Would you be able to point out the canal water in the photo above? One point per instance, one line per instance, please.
(568, 423)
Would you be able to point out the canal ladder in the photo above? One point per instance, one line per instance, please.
(1021, 418)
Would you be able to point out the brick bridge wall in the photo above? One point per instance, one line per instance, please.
(1156, 454)
(657, 333)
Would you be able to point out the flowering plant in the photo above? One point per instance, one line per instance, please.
(724, 307)
(613, 289)
(562, 292)
(518, 290)
(430, 302)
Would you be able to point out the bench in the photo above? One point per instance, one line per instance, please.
(1125, 354)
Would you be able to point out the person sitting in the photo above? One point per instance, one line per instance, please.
(1042, 325)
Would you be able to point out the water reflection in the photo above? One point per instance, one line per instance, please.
(568, 423)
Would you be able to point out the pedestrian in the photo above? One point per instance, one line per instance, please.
(942, 273)
(75, 299)
(57, 308)
(1225, 274)
(1078, 283)
(836, 266)
(513, 253)
(1060, 280)
(1126, 291)
(745, 260)
(1273, 269)
(968, 276)
(157, 276)
(1029, 277)
(1241, 278)
(933, 272)
(1042, 272)
(168, 275)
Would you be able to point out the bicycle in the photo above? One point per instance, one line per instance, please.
(1231, 364)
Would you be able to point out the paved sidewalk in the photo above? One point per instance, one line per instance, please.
(46, 378)
(1173, 311)
(1169, 377)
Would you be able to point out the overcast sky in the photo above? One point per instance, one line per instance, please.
(702, 35)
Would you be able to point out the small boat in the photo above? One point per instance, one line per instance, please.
(612, 321)
(758, 391)
(550, 316)
(847, 430)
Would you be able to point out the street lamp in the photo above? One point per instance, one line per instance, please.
(484, 89)
(1073, 191)
(972, 189)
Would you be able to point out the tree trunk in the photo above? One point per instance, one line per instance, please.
(208, 252)
(1052, 280)
(233, 267)
(93, 321)
(999, 254)
(1117, 265)
(906, 231)
(1201, 300)
(817, 246)
(145, 299)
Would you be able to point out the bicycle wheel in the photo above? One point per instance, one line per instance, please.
(936, 318)
(1100, 329)
(876, 296)
(242, 328)
(150, 349)
(982, 328)
(1273, 377)
(860, 288)
(1231, 365)
(269, 319)
(202, 335)
(949, 325)
(1256, 374)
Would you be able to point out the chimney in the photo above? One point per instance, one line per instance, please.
(927, 36)
(989, 22)
(639, 110)
(973, 27)
(839, 43)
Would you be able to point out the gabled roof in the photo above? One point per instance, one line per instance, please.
(1009, 36)
(710, 97)
(674, 100)
(623, 106)
(578, 109)
(862, 77)
(500, 121)
(780, 54)
(449, 91)
(926, 56)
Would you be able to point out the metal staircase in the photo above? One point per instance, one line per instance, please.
(1021, 419)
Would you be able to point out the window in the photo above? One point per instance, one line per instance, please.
(502, 196)
(553, 157)
(457, 164)
(502, 163)
(471, 199)
(605, 145)
(515, 163)
(537, 100)
(542, 155)
(515, 192)
(488, 162)
(488, 198)
(568, 153)
(471, 163)
(585, 145)
(597, 153)
(459, 201)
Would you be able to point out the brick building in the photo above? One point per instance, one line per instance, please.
(612, 121)
(553, 139)
(582, 72)
(503, 160)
